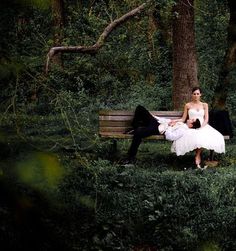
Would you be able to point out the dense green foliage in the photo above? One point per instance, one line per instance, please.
(83, 198)
(210, 26)
(68, 201)
(61, 187)
(133, 67)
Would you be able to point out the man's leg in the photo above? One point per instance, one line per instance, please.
(139, 134)
(142, 117)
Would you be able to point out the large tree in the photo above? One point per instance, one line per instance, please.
(184, 53)
(227, 75)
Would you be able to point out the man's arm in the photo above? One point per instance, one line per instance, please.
(162, 120)
(173, 133)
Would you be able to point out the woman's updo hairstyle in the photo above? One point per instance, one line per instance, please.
(196, 88)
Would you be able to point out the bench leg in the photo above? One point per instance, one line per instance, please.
(114, 146)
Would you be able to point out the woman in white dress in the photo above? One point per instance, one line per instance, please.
(205, 137)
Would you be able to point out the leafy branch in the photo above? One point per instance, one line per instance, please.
(101, 40)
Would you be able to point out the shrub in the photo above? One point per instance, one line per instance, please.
(163, 210)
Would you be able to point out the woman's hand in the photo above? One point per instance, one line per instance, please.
(172, 122)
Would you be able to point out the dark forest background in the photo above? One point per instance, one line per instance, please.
(63, 187)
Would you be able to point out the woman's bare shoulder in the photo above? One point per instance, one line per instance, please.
(188, 105)
(205, 105)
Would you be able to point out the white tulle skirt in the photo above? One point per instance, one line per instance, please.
(206, 137)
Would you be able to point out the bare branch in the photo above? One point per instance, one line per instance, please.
(101, 40)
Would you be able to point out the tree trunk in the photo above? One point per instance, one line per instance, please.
(58, 24)
(184, 53)
(228, 70)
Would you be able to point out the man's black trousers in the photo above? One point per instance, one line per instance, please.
(144, 125)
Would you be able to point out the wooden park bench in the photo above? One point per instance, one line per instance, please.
(114, 123)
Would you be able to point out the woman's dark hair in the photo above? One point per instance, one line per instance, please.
(196, 124)
(196, 88)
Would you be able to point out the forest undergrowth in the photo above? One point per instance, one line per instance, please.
(72, 192)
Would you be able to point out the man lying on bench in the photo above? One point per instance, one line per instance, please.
(145, 124)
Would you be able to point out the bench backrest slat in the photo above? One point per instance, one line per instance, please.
(116, 118)
(118, 121)
(104, 123)
(113, 123)
(131, 113)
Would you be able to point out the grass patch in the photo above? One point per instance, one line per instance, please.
(56, 196)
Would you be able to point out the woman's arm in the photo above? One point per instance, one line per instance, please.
(206, 114)
(185, 114)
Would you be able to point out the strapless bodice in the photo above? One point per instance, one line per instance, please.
(196, 114)
(205, 137)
